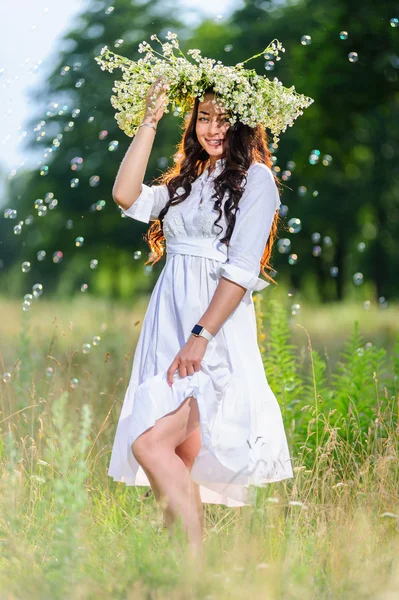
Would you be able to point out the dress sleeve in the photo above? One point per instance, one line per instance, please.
(149, 204)
(254, 219)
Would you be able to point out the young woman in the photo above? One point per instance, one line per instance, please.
(199, 422)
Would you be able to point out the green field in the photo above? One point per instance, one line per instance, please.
(67, 531)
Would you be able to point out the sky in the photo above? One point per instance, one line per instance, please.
(28, 45)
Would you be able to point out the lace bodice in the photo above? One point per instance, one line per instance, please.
(196, 222)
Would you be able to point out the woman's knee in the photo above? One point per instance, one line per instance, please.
(145, 450)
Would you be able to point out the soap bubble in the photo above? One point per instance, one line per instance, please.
(26, 305)
(394, 22)
(84, 287)
(314, 157)
(118, 43)
(79, 241)
(10, 213)
(315, 237)
(103, 134)
(383, 302)
(353, 57)
(294, 225)
(228, 48)
(366, 304)
(137, 254)
(112, 146)
(49, 372)
(94, 180)
(25, 267)
(292, 259)
(302, 190)
(316, 251)
(269, 65)
(42, 211)
(18, 229)
(28, 298)
(74, 182)
(74, 382)
(361, 246)
(86, 348)
(284, 245)
(76, 163)
(43, 171)
(358, 278)
(96, 340)
(295, 308)
(37, 290)
(327, 159)
(334, 271)
(6, 377)
(94, 263)
(343, 35)
(58, 256)
(306, 40)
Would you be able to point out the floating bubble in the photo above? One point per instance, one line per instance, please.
(26, 305)
(343, 35)
(394, 22)
(358, 278)
(65, 70)
(48, 197)
(118, 43)
(316, 251)
(286, 175)
(109, 10)
(103, 326)
(315, 237)
(314, 157)
(353, 57)
(28, 298)
(42, 211)
(58, 256)
(76, 163)
(38, 203)
(327, 241)
(69, 126)
(228, 48)
(306, 40)
(96, 340)
(366, 304)
(74, 382)
(302, 190)
(103, 134)
(361, 246)
(6, 377)
(315, 193)
(74, 182)
(86, 348)
(148, 269)
(269, 65)
(80, 83)
(291, 165)
(75, 113)
(292, 259)
(112, 146)
(69, 224)
(327, 160)
(383, 302)
(53, 204)
(100, 204)
(41, 255)
(218, 18)
(360, 351)
(295, 308)
(294, 225)
(43, 170)
(10, 213)
(90, 119)
(284, 210)
(284, 245)
(137, 254)
(94, 263)
(18, 229)
(37, 290)
(334, 271)
(84, 287)
(79, 241)
(94, 180)
(49, 372)
(25, 267)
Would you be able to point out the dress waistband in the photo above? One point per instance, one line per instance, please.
(196, 246)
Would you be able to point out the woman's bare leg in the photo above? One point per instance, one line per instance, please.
(155, 451)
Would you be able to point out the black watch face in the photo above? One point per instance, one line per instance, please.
(197, 329)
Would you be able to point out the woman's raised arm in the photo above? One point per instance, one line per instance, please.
(127, 187)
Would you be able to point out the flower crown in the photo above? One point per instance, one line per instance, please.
(251, 98)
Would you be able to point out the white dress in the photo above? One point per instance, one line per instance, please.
(243, 439)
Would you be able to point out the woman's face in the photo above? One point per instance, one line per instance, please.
(211, 127)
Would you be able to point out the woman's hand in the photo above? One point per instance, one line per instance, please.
(188, 360)
(155, 101)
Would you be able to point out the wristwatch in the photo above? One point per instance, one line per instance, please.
(199, 330)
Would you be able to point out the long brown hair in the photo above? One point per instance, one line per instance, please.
(245, 145)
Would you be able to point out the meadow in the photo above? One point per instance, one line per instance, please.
(68, 531)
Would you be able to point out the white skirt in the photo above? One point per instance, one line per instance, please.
(244, 444)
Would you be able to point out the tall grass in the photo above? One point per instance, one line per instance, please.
(67, 531)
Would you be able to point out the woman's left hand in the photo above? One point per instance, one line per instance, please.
(188, 359)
